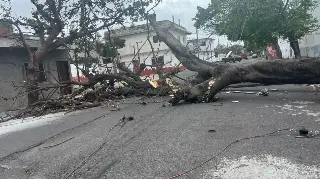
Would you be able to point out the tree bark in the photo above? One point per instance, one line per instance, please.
(32, 80)
(294, 44)
(302, 71)
(276, 46)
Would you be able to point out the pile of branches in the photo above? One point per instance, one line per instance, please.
(99, 90)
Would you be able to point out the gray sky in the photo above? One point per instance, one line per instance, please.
(184, 10)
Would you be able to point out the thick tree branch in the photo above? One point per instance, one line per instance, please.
(303, 71)
(187, 58)
(75, 35)
(40, 9)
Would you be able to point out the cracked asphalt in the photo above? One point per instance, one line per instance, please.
(162, 142)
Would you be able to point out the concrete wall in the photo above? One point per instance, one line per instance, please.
(12, 76)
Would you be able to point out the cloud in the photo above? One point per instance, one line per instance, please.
(184, 10)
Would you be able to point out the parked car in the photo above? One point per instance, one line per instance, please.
(254, 56)
(231, 59)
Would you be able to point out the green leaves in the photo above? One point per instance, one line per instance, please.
(258, 21)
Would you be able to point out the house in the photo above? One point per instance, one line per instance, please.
(203, 48)
(138, 50)
(13, 68)
(75, 58)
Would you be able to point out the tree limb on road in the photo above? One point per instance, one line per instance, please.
(302, 71)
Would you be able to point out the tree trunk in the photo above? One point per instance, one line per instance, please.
(303, 71)
(276, 46)
(32, 80)
(294, 44)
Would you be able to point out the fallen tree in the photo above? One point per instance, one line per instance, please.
(213, 77)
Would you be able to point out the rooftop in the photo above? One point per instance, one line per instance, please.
(32, 41)
(125, 31)
(14, 42)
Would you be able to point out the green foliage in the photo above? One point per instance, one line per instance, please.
(258, 21)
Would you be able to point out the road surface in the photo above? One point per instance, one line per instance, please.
(162, 142)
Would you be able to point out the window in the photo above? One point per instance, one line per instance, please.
(184, 39)
(179, 38)
(203, 43)
(156, 39)
(42, 76)
(159, 61)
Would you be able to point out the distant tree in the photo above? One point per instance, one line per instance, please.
(260, 22)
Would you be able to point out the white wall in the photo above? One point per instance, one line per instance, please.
(286, 50)
(127, 52)
(169, 58)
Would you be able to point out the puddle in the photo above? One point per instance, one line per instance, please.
(262, 167)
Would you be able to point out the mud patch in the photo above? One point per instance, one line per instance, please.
(262, 167)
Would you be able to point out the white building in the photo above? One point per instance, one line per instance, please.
(309, 44)
(203, 48)
(138, 50)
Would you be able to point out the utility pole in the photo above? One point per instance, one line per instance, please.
(198, 45)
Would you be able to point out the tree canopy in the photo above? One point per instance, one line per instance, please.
(258, 21)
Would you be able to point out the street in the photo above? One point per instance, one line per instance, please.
(224, 139)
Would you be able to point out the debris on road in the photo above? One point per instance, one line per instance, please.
(115, 109)
(130, 118)
(212, 130)
(274, 90)
(263, 92)
(303, 131)
(235, 101)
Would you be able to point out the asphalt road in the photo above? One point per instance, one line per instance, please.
(162, 142)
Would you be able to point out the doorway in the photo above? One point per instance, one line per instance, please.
(64, 76)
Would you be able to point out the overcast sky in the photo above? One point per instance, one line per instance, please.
(184, 10)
